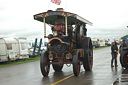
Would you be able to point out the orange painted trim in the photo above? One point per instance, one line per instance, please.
(55, 38)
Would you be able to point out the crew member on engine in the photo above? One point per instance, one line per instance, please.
(70, 36)
(85, 29)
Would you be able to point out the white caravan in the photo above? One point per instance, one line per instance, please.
(23, 48)
(102, 42)
(95, 42)
(9, 49)
(30, 43)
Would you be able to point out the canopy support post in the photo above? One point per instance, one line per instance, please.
(75, 28)
(44, 27)
(66, 26)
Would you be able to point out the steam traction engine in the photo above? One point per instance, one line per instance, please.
(68, 43)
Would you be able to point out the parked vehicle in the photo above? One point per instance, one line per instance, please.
(23, 48)
(101, 42)
(9, 49)
(67, 45)
(95, 43)
(107, 43)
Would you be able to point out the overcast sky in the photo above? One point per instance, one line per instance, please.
(109, 17)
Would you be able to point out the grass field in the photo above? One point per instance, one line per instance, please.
(101, 47)
(5, 64)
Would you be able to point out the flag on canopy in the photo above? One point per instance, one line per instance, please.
(56, 1)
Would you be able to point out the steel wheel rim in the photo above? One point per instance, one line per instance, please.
(78, 64)
(47, 66)
(90, 57)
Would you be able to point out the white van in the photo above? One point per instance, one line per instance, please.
(23, 48)
(9, 49)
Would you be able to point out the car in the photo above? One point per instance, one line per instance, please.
(107, 43)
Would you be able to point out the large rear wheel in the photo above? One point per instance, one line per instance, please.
(44, 64)
(124, 59)
(88, 54)
(76, 65)
(121, 60)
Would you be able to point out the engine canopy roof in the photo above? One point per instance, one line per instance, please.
(52, 16)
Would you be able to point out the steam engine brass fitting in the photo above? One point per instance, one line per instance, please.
(50, 56)
(68, 56)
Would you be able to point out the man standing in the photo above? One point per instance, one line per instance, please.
(123, 44)
(114, 52)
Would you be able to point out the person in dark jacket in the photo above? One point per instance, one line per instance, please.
(122, 46)
(114, 52)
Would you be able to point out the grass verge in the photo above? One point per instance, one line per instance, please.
(100, 47)
(5, 64)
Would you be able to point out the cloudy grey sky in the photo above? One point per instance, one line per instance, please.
(109, 17)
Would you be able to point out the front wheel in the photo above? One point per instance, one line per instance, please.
(76, 65)
(44, 64)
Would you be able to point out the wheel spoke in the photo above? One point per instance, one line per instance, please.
(46, 65)
(91, 61)
(47, 68)
(126, 59)
(78, 63)
(90, 57)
